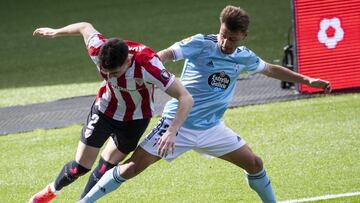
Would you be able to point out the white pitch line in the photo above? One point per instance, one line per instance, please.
(321, 197)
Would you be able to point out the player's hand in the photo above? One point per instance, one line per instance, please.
(45, 32)
(166, 144)
(318, 83)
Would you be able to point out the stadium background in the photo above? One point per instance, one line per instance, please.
(27, 61)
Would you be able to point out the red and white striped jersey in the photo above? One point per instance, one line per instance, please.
(131, 96)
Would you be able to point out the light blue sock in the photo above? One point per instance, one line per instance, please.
(261, 184)
(110, 181)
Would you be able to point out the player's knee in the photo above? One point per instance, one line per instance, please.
(255, 165)
(138, 162)
(102, 167)
(131, 169)
(128, 170)
(76, 170)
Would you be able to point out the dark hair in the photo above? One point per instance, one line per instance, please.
(235, 19)
(113, 53)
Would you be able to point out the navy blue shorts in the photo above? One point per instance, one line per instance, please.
(99, 128)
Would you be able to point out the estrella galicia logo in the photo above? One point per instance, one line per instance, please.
(219, 81)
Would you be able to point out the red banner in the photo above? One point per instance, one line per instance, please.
(328, 41)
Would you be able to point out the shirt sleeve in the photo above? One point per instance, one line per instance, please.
(253, 63)
(190, 47)
(93, 46)
(154, 72)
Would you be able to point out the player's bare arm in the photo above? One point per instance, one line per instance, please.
(166, 143)
(281, 73)
(83, 28)
(166, 55)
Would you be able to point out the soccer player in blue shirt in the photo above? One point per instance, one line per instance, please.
(212, 65)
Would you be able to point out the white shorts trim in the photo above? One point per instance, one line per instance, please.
(216, 141)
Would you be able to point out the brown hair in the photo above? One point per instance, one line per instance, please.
(113, 53)
(235, 19)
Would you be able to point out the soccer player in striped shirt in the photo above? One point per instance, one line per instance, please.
(212, 66)
(123, 107)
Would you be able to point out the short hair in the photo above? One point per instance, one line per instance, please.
(235, 18)
(113, 53)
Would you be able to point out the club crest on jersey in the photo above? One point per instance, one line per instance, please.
(219, 81)
(185, 41)
(165, 75)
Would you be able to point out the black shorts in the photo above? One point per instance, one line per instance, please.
(99, 128)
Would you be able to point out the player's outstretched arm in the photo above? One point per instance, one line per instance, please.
(83, 28)
(166, 144)
(284, 74)
(166, 55)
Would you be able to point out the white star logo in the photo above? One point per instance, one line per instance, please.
(330, 32)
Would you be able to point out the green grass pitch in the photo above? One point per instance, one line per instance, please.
(310, 148)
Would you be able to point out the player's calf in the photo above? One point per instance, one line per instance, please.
(98, 172)
(260, 183)
(69, 173)
(258, 180)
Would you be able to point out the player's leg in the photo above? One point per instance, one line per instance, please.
(109, 158)
(114, 177)
(255, 173)
(225, 144)
(144, 156)
(87, 150)
(244, 158)
(146, 153)
(85, 157)
(124, 140)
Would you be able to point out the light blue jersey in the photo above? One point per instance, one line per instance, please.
(210, 77)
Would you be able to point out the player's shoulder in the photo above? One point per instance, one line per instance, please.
(245, 55)
(141, 52)
(244, 51)
(211, 38)
(200, 39)
(94, 43)
(136, 46)
(95, 38)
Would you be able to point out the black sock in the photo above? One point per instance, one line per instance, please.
(69, 173)
(97, 173)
